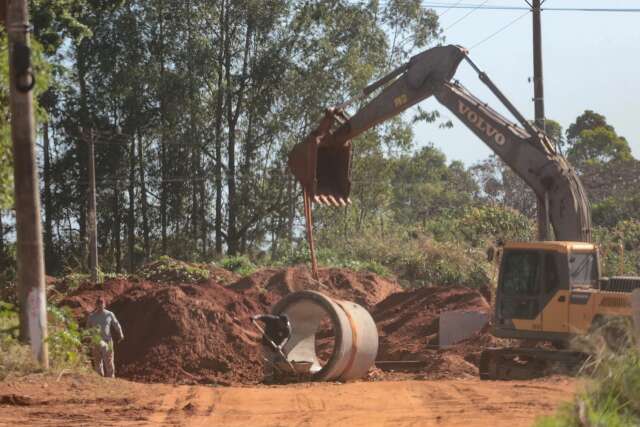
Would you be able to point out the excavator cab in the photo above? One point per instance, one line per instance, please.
(544, 287)
(323, 168)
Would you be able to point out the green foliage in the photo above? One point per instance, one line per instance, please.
(55, 20)
(42, 71)
(416, 258)
(482, 225)
(619, 248)
(424, 186)
(8, 274)
(599, 145)
(611, 395)
(6, 168)
(330, 257)
(16, 357)
(67, 343)
(169, 270)
(241, 265)
(587, 120)
(613, 209)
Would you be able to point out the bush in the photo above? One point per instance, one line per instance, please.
(415, 257)
(67, 343)
(611, 398)
(169, 270)
(238, 264)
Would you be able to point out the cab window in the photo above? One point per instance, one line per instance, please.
(583, 271)
(551, 276)
(519, 273)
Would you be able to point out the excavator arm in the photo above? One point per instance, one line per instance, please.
(322, 163)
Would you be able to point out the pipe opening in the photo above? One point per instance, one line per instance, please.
(330, 339)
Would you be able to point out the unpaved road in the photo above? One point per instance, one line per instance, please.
(88, 400)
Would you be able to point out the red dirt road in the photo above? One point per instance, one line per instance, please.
(89, 400)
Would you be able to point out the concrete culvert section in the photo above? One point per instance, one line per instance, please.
(337, 339)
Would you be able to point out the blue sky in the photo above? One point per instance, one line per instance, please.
(591, 60)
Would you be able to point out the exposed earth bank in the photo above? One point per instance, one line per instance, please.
(201, 333)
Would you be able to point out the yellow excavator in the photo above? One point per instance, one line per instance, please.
(548, 290)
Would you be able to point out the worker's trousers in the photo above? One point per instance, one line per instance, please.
(103, 359)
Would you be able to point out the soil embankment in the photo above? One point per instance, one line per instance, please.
(196, 333)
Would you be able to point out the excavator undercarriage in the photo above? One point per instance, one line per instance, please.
(527, 363)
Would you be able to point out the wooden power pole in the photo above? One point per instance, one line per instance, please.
(31, 285)
(93, 227)
(538, 102)
(538, 90)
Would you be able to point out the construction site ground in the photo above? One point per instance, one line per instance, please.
(192, 357)
(81, 400)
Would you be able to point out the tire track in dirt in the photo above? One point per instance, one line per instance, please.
(467, 403)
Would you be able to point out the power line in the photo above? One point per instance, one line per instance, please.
(458, 5)
(449, 8)
(501, 29)
(465, 15)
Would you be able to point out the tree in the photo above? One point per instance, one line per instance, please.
(599, 145)
(587, 120)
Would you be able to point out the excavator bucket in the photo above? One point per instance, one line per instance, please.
(323, 169)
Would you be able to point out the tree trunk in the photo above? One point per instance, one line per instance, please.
(143, 197)
(131, 218)
(163, 137)
(218, 130)
(48, 202)
(116, 227)
(232, 121)
(82, 151)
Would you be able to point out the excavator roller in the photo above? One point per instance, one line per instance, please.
(323, 168)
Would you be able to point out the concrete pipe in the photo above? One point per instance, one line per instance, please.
(355, 335)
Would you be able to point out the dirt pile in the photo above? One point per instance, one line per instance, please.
(82, 301)
(201, 332)
(408, 324)
(364, 288)
(188, 333)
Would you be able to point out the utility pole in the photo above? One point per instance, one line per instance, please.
(31, 285)
(538, 90)
(93, 228)
(538, 102)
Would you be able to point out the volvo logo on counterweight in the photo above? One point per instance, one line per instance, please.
(480, 124)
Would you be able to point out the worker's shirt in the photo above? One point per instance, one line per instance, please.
(105, 320)
(276, 329)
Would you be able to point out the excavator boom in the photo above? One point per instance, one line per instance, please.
(322, 163)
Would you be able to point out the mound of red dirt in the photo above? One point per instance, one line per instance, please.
(82, 301)
(202, 333)
(188, 334)
(408, 324)
(364, 288)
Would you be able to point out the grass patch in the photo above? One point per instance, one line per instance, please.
(612, 395)
(241, 265)
(169, 270)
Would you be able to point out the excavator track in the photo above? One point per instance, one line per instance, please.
(527, 363)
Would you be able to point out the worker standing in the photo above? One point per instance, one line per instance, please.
(277, 331)
(102, 351)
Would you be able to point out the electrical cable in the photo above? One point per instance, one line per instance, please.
(501, 29)
(458, 5)
(465, 16)
(449, 8)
